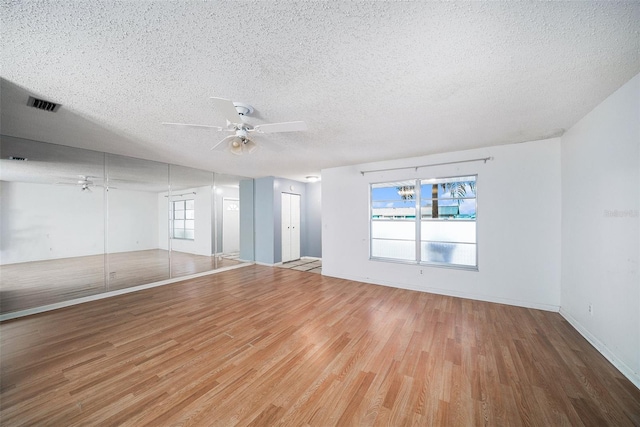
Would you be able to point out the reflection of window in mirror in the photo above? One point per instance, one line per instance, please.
(183, 219)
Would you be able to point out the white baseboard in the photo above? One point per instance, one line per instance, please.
(634, 377)
(55, 306)
(266, 264)
(311, 258)
(447, 292)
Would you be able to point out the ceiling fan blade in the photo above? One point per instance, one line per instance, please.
(192, 125)
(226, 138)
(227, 109)
(281, 127)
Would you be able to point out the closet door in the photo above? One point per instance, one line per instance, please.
(286, 227)
(290, 227)
(295, 226)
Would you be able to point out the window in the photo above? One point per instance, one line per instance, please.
(393, 218)
(182, 219)
(427, 221)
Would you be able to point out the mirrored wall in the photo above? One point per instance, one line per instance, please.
(75, 223)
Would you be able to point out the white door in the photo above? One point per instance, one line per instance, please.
(230, 226)
(295, 226)
(290, 227)
(286, 227)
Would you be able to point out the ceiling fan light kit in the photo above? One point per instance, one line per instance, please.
(239, 146)
(234, 113)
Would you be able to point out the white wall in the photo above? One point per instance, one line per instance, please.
(42, 221)
(202, 243)
(518, 225)
(133, 221)
(601, 227)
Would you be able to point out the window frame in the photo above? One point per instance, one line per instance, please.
(418, 220)
(173, 219)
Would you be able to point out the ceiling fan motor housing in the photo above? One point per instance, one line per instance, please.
(243, 109)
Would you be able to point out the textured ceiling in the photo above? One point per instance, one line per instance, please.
(372, 80)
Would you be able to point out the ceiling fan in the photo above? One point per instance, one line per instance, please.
(234, 112)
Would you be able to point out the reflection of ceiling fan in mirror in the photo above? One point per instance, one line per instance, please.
(234, 112)
(85, 182)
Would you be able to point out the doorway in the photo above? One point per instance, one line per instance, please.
(230, 226)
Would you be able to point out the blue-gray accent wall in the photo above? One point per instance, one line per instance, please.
(246, 220)
(264, 220)
(261, 226)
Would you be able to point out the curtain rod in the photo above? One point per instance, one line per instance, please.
(180, 195)
(484, 159)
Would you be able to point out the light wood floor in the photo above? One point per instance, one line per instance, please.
(269, 346)
(33, 284)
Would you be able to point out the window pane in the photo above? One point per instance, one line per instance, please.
(178, 234)
(394, 200)
(450, 209)
(178, 224)
(189, 234)
(449, 231)
(393, 210)
(399, 230)
(189, 204)
(178, 205)
(426, 191)
(188, 224)
(189, 214)
(394, 249)
(179, 215)
(449, 253)
(454, 198)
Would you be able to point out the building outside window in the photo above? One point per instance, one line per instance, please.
(183, 219)
(425, 221)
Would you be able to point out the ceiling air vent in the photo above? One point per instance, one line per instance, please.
(41, 104)
(20, 159)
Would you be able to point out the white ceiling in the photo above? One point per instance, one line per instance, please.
(372, 80)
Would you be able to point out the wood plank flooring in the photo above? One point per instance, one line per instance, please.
(261, 346)
(33, 284)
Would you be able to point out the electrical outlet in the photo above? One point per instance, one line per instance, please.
(591, 309)
(420, 271)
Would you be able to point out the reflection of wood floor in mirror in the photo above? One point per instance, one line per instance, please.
(33, 284)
